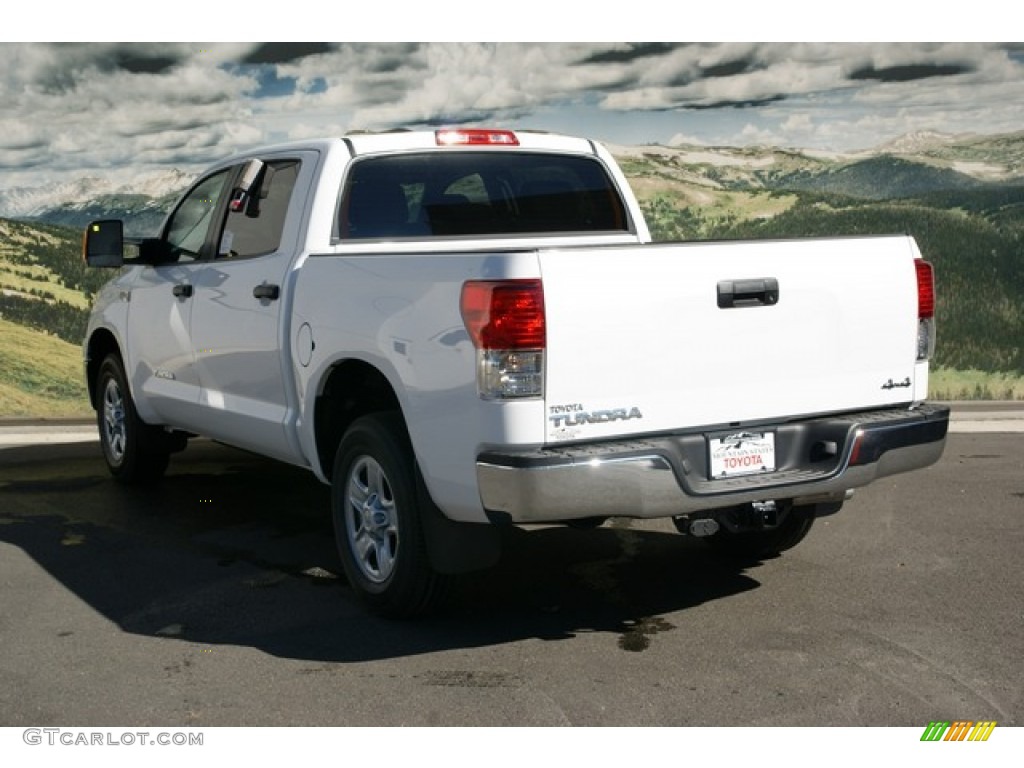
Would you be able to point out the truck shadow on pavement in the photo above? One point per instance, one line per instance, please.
(238, 550)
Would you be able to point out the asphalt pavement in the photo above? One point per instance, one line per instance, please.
(215, 599)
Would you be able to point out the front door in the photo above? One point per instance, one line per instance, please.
(159, 354)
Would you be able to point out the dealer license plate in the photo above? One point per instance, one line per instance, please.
(741, 453)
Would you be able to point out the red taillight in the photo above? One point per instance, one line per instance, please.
(476, 137)
(925, 289)
(504, 314)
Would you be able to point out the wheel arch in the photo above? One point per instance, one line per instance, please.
(354, 388)
(101, 343)
(351, 388)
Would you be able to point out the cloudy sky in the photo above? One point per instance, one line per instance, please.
(110, 108)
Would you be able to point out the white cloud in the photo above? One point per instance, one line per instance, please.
(97, 106)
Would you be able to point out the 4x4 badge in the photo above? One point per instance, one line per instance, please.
(890, 384)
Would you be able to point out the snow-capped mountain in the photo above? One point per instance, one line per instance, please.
(28, 201)
(35, 202)
(141, 203)
(918, 142)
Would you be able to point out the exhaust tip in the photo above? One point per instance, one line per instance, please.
(703, 527)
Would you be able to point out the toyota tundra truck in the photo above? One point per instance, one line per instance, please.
(465, 329)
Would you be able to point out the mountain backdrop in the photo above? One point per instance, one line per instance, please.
(962, 197)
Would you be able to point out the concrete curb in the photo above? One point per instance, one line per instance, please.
(14, 436)
(968, 417)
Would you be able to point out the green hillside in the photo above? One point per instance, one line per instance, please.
(40, 375)
(877, 178)
(44, 284)
(44, 298)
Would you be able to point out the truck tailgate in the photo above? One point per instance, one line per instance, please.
(651, 338)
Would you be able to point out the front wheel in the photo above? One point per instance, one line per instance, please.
(377, 526)
(135, 452)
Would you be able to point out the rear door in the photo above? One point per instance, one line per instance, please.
(669, 336)
(238, 329)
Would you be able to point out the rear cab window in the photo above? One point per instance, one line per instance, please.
(483, 193)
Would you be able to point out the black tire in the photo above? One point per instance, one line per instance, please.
(793, 528)
(135, 452)
(376, 506)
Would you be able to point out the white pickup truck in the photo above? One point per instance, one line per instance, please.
(464, 329)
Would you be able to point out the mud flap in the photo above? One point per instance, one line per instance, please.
(456, 547)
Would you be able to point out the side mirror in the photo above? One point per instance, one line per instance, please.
(103, 243)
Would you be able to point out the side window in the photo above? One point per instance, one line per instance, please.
(190, 223)
(256, 229)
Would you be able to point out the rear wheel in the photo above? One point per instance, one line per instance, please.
(377, 525)
(135, 452)
(733, 539)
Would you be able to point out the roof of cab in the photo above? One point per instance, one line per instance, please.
(399, 141)
(407, 141)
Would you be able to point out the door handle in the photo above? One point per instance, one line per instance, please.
(266, 291)
(763, 292)
(182, 290)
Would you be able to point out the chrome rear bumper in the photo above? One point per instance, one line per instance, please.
(664, 476)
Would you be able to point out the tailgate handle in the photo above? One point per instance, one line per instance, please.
(763, 292)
